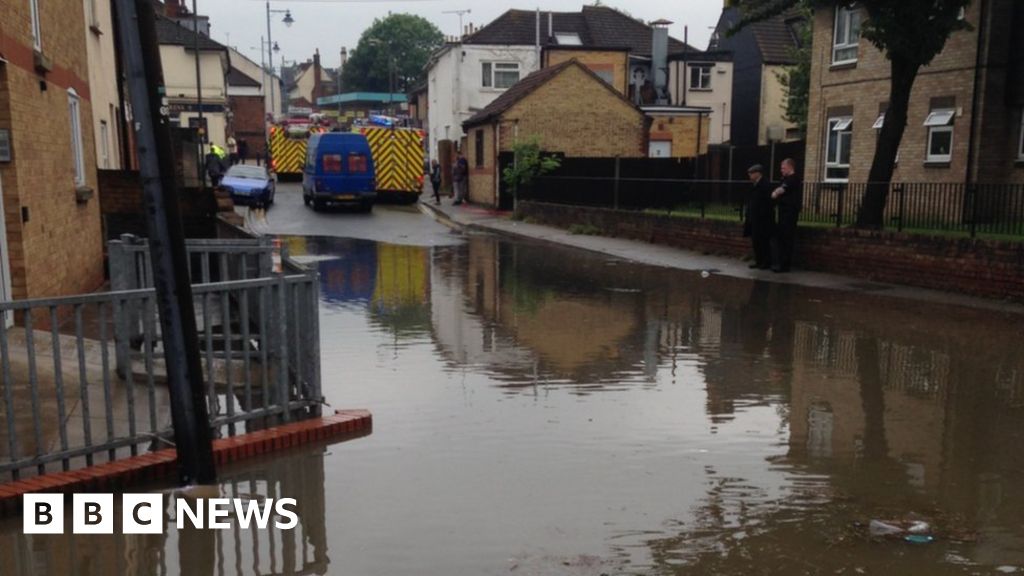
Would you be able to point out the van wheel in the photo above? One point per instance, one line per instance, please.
(318, 205)
(366, 207)
(305, 200)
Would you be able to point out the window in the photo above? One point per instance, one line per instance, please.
(104, 145)
(837, 157)
(480, 149)
(847, 35)
(940, 135)
(77, 151)
(357, 164)
(332, 163)
(568, 39)
(700, 77)
(37, 35)
(879, 122)
(500, 75)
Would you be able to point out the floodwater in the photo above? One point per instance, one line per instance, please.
(540, 410)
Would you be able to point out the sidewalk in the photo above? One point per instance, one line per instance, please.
(472, 217)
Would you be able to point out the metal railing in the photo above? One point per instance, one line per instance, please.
(64, 402)
(971, 210)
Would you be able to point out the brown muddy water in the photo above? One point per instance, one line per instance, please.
(547, 411)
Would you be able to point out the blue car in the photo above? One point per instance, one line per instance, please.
(249, 185)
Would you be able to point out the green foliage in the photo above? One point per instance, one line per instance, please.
(528, 165)
(404, 41)
(584, 230)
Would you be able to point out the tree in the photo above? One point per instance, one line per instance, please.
(910, 33)
(400, 44)
(796, 79)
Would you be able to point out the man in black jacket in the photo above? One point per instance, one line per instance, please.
(760, 218)
(789, 198)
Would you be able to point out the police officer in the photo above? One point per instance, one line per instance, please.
(789, 198)
(759, 225)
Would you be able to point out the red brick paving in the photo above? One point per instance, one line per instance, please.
(160, 465)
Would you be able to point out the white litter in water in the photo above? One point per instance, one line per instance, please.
(705, 274)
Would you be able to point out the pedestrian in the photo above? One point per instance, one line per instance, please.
(243, 150)
(760, 218)
(232, 150)
(214, 167)
(460, 177)
(435, 180)
(789, 198)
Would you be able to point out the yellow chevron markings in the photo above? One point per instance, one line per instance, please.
(397, 157)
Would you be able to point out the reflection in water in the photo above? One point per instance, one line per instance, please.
(542, 410)
(298, 475)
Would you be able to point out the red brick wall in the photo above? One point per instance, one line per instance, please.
(984, 268)
(248, 123)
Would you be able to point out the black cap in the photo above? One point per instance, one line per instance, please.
(756, 168)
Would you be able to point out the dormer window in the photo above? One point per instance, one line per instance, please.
(568, 39)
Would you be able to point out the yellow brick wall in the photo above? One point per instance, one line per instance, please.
(684, 132)
(865, 86)
(605, 125)
(597, 60)
(59, 250)
(482, 178)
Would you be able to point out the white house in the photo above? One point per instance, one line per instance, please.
(105, 100)
(464, 78)
(704, 79)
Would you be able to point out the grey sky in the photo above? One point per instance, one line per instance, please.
(331, 24)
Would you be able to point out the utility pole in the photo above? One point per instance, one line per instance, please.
(136, 23)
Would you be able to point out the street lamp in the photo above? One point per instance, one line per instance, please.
(272, 46)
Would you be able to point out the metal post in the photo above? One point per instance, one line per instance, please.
(615, 194)
(199, 98)
(136, 22)
(270, 64)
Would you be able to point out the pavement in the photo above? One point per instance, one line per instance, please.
(472, 217)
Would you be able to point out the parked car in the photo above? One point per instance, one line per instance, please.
(249, 185)
(339, 170)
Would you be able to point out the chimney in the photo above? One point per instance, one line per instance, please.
(659, 60)
(317, 89)
(172, 8)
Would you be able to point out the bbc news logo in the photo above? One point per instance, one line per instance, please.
(144, 513)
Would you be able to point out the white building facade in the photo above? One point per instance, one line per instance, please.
(462, 79)
(704, 82)
(105, 100)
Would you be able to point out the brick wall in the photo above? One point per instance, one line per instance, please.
(482, 177)
(984, 268)
(248, 123)
(615, 62)
(864, 88)
(683, 132)
(606, 126)
(58, 250)
(120, 193)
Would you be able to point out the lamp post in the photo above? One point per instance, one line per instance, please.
(288, 21)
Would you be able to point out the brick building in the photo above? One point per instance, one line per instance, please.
(965, 116)
(545, 105)
(50, 233)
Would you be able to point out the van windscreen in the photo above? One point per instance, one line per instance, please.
(357, 164)
(332, 163)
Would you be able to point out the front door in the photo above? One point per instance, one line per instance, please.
(5, 266)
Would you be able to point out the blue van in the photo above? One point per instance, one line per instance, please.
(339, 170)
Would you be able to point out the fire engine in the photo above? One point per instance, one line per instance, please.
(288, 140)
(397, 156)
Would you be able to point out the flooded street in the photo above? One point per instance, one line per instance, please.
(540, 410)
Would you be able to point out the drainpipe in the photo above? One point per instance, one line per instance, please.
(983, 29)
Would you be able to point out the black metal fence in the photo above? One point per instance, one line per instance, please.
(972, 210)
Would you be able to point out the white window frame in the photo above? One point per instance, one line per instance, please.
(104, 145)
(846, 123)
(490, 72)
(77, 146)
(879, 122)
(37, 33)
(703, 72)
(843, 39)
(939, 122)
(94, 21)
